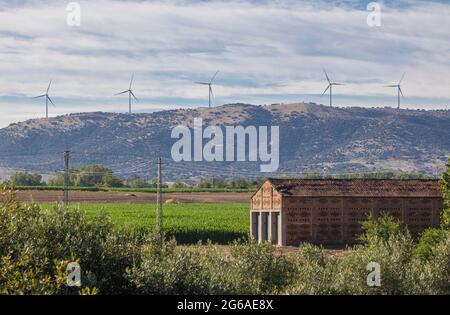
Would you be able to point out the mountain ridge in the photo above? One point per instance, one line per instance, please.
(312, 138)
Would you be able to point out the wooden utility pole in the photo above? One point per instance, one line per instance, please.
(159, 207)
(66, 177)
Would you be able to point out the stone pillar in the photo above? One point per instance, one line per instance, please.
(254, 225)
(260, 227)
(269, 227)
(281, 230)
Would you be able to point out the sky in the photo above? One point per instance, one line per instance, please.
(266, 51)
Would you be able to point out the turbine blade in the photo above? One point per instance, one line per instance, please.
(326, 74)
(134, 96)
(48, 88)
(132, 78)
(40, 96)
(122, 92)
(214, 77)
(391, 86)
(325, 90)
(48, 97)
(211, 91)
(402, 78)
(401, 92)
(202, 83)
(337, 84)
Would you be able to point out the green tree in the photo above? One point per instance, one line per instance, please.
(96, 175)
(239, 183)
(58, 178)
(179, 185)
(136, 182)
(445, 184)
(26, 179)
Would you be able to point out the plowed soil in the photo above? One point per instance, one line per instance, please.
(132, 197)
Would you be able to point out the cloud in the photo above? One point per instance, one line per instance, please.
(273, 50)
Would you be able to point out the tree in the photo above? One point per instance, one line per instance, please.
(111, 181)
(136, 182)
(179, 185)
(445, 184)
(88, 176)
(58, 178)
(239, 183)
(26, 179)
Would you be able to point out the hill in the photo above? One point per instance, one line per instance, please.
(312, 138)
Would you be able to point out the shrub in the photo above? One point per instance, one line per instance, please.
(257, 269)
(166, 268)
(313, 272)
(381, 229)
(433, 275)
(66, 235)
(394, 257)
(427, 242)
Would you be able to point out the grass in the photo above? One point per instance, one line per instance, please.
(188, 223)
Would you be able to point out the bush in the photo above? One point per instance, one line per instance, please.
(394, 257)
(166, 268)
(428, 240)
(257, 269)
(313, 272)
(433, 275)
(63, 235)
(381, 229)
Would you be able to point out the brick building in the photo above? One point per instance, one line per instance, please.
(291, 211)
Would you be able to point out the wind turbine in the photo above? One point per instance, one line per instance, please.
(130, 93)
(399, 89)
(210, 87)
(330, 86)
(47, 98)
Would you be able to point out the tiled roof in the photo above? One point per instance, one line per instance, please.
(357, 187)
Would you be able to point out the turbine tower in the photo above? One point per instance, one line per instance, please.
(130, 93)
(210, 87)
(47, 99)
(330, 86)
(399, 89)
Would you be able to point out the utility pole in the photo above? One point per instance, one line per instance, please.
(66, 177)
(159, 208)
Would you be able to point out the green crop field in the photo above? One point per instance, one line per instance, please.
(188, 223)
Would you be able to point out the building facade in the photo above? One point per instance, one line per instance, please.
(289, 211)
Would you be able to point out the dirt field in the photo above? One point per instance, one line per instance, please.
(132, 197)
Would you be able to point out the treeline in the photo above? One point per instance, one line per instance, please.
(86, 176)
(102, 176)
(368, 175)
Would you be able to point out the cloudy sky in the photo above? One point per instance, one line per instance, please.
(266, 51)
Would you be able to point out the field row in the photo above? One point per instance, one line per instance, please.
(188, 223)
